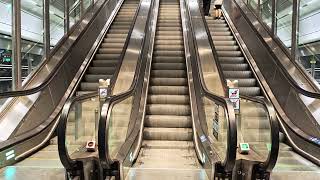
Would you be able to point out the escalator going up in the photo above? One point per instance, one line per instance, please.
(46, 163)
(168, 150)
(256, 125)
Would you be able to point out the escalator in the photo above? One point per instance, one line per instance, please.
(104, 65)
(167, 135)
(253, 119)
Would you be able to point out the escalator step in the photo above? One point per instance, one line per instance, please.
(169, 73)
(168, 99)
(224, 43)
(96, 77)
(101, 70)
(250, 91)
(168, 82)
(169, 134)
(172, 90)
(222, 38)
(168, 109)
(231, 60)
(105, 62)
(229, 53)
(235, 67)
(107, 56)
(221, 33)
(227, 48)
(168, 66)
(166, 59)
(166, 121)
(246, 82)
(237, 74)
(155, 144)
(166, 42)
(112, 45)
(176, 47)
(168, 53)
(109, 50)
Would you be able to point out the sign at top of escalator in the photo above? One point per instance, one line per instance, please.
(234, 93)
(234, 96)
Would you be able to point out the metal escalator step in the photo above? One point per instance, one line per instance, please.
(96, 77)
(222, 38)
(107, 56)
(218, 29)
(114, 40)
(216, 21)
(166, 59)
(250, 91)
(170, 28)
(170, 134)
(117, 35)
(104, 62)
(109, 50)
(237, 74)
(227, 48)
(235, 67)
(229, 53)
(168, 37)
(167, 42)
(224, 43)
(112, 45)
(169, 73)
(246, 82)
(168, 47)
(168, 53)
(231, 60)
(172, 90)
(154, 144)
(164, 33)
(168, 66)
(169, 81)
(101, 70)
(168, 99)
(168, 121)
(89, 86)
(119, 31)
(168, 109)
(213, 25)
(219, 33)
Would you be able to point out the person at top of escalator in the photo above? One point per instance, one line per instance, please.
(206, 7)
(217, 7)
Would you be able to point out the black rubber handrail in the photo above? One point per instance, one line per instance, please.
(292, 82)
(106, 109)
(308, 138)
(66, 161)
(54, 72)
(28, 135)
(64, 156)
(230, 159)
(269, 164)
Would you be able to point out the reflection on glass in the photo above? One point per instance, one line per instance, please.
(284, 21)
(309, 35)
(82, 125)
(254, 128)
(253, 4)
(56, 11)
(217, 126)
(118, 125)
(74, 11)
(266, 11)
